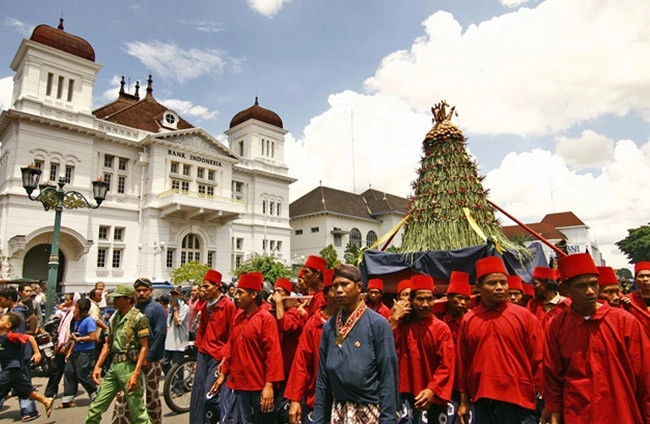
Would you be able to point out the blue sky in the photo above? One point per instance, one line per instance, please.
(554, 96)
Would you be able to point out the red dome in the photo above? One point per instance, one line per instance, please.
(61, 40)
(259, 113)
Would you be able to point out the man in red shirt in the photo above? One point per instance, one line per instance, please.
(596, 361)
(547, 302)
(301, 383)
(458, 298)
(516, 290)
(499, 353)
(374, 294)
(640, 298)
(313, 276)
(403, 290)
(253, 359)
(215, 321)
(426, 358)
(609, 289)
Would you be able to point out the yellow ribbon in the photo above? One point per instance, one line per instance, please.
(479, 232)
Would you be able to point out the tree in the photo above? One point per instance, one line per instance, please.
(353, 254)
(267, 265)
(636, 245)
(192, 272)
(329, 254)
(448, 183)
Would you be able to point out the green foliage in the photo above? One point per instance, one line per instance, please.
(636, 245)
(625, 279)
(353, 254)
(267, 265)
(192, 272)
(329, 254)
(393, 249)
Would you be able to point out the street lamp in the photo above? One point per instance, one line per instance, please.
(55, 198)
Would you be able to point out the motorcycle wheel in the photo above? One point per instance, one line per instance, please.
(177, 389)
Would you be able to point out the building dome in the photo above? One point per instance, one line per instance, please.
(259, 113)
(61, 40)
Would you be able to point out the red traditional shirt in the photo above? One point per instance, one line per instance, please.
(538, 308)
(643, 315)
(315, 304)
(426, 358)
(454, 327)
(382, 310)
(214, 327)
(253, 356)
(290, 328)
(302, 378)
(597, 370)
(500, 355)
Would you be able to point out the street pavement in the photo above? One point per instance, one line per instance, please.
(11, 413)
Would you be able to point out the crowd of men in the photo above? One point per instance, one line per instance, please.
(566, 347)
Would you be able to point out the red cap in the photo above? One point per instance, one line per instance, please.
(213, 276)
(327, 277)
(641, 266)
(459, 283)
(607, 276)
(576, 264)
(403, 285)
(285, 284)
(316, 262)
(528, 289)
(251, 281)
(375, 283)
(514, 283)
(490, 265)
(544, 273)
(421, 282)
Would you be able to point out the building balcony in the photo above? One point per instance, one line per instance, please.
(192, 205)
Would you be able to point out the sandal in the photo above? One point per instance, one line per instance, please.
(65, 405)
(48, 408)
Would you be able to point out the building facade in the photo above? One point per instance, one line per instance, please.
(176, 193)
(327, 216)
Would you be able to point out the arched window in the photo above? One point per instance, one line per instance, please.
(190, 249)
(355, 237)
(371, 238)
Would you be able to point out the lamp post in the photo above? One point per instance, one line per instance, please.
(55, 198)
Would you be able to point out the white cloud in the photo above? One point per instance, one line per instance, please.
(533, 71)
(24, 29)
(6, 91)
(172, 61)
(268, 8)
(206, 26)
(531, 184)
(513, 3)
(187, 109)
(587, 151)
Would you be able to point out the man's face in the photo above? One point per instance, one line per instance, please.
(98, 296)
(120, 301)
(4, 302)
(310, 276)
(457, 304)
(516, 297)
(330, 296)
(232, 290)
(100, 287)
(422, 303)
(610, 293)
(583, 292)
(347, 292)
(27, 291)
(195, 292)
(539, 287)
(36, 288)
(280, 290)
(143, 294)
(244, 298)
(374, 296)
(642, 280)
(405, 294)
(493, 289)
(211, 290)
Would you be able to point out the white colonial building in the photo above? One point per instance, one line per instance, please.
(176, 193)
(327, 216)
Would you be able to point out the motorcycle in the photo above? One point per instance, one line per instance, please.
(45, 341)
(177, 390)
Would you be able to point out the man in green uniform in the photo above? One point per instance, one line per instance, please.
(128, 344)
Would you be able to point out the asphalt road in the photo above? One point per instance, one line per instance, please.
(11, 413)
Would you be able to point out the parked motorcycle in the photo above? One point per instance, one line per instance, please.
(45, 341)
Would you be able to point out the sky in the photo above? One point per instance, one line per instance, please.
(553, 96)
